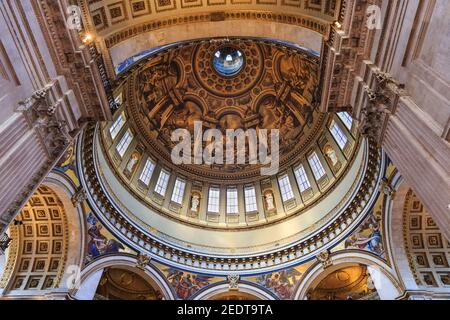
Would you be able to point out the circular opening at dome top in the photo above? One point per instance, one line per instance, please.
(228, 61)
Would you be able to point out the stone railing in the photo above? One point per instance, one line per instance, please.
(164, 251)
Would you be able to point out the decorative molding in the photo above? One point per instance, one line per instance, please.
(79, 196)
(233, 282)
(381, 102)
(142, 261)
(116, 38)
(173, 255)
(324, 258)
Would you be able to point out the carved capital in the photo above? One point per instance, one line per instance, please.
(386, 188)
(233, 282)
(5, 241)
(79, 197)
(142, 261)
(324, 258)
(382, 100)
(40, 115)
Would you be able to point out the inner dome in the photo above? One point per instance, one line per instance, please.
(177, 87)
(324, 184)
(228, 61)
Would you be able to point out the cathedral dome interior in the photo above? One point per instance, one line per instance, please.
(224, 150)
(327, 173)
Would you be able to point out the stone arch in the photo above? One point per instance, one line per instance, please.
(393, 224)
(383, 275)
(426, 247)
(90, 276)
(128, 47)
(398, 220)
(38, 253)
(221, 288)
(50, 219)
(75, 214)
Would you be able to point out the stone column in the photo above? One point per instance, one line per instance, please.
(410, 137)
(27, 160)
(89, 286)
(422, 157)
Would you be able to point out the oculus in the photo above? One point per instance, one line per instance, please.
(228, 61)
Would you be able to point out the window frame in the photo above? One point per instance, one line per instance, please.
(117, 125)
(338, 135)
(213, 206)
(176, 191)
(286, 191)
(163, 187)
(235, 205)
(124, 142)
(315, 169)
(303, 185)
(147, 172)
(346, 119)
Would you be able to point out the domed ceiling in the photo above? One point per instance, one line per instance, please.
(261, 86)
(325, 184)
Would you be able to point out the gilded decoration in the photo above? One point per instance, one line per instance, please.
(123, 284)
(426, 247)
(274, 90)
(38, 253)
(349, 283)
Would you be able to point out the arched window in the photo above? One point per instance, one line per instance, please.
(346, 119)
(178, 191)
(117, 125)
(124, 143)
(163, 181)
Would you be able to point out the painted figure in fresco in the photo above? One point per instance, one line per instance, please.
(98, 244)
(186, 284)
(68, 160)
(289, 131)
(185, 117)
(270, 114)
(294, 70)
(281, 283)
(149, 85)
(368, 236)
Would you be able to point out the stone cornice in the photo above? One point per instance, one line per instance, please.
(73, 60)
(184, 258)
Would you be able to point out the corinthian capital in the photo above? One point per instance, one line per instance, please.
(382, 99)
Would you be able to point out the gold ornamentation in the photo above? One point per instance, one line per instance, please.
(324, 258)
(233, 282)
(142, 261)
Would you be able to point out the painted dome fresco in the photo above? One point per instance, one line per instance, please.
(217, 209)
(274, 88)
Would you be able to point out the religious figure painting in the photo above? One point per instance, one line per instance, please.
(368, 236)
(281, 283)
(99, 240)
(186, 284)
